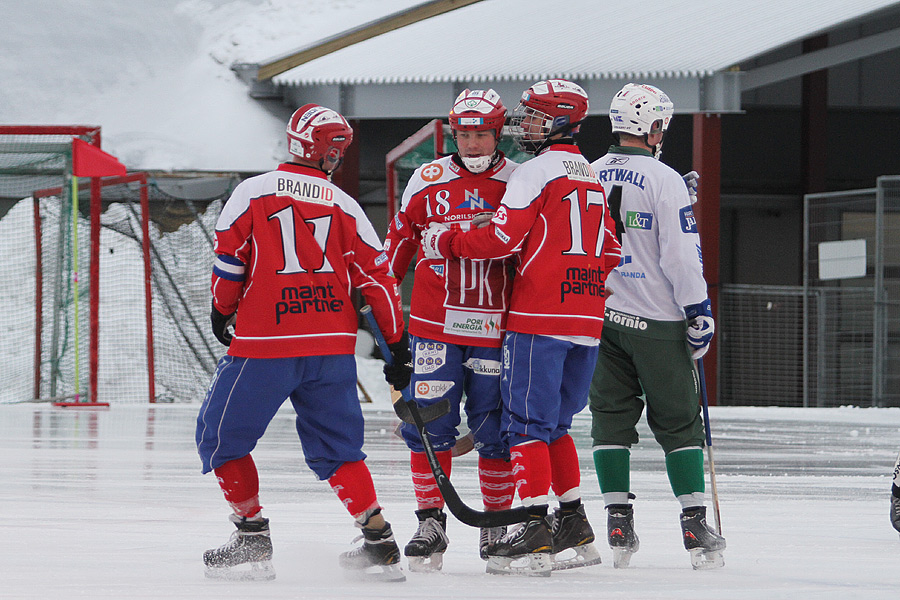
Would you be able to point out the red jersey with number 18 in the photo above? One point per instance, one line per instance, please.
(290, 247)
(455, 301)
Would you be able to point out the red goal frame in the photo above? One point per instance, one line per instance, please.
(92, 135)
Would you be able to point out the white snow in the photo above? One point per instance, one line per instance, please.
(156, 76)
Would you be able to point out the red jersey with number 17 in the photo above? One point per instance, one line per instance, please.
(290, 247)
(555, 217)
(455, 301)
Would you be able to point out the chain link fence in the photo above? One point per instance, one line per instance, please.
(835, 340)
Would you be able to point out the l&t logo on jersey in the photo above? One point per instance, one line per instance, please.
(638, 220)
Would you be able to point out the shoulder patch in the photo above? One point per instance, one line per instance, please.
(688, 222)
(432, 172)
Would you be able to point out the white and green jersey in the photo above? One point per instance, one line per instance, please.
(662, 266)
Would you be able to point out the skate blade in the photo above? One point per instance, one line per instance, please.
(534, 565)
(703, 560)
(255, 571)
(622, 557)
(580, 556)
(426, 564)
(377, 573)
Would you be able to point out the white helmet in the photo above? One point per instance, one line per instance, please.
(637, 108)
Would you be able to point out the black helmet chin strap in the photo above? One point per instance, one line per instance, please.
(337, 165)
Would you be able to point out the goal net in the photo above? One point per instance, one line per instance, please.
(115, 317)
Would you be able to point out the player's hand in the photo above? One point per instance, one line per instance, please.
(431, 239)
(701, 327)
(692, 180)
(482, 219)
(399, 371)
(220, 325)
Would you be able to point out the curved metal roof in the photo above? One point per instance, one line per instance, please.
(507, 40)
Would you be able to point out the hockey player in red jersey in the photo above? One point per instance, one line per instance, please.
(554, 219)
(290, 247)
(457, 317)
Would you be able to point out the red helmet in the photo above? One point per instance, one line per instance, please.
(318, 134)
(552, 106)
(478, 110)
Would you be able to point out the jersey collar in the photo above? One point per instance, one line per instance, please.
(569, 147)
(629, 150)
(302, 170)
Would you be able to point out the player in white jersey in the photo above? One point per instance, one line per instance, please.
(554, 218)
(457, 318)
(658, 320)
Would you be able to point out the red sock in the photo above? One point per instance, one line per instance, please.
(352, 483)
(240, 481)
(531, 466)
(427, 493)
(498, 486)
(564, 462)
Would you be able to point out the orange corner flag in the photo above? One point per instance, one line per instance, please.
(89, 161)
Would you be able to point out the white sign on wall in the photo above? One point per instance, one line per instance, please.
(845, 259)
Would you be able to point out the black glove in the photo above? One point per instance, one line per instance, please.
(398, 372)
(220, 325)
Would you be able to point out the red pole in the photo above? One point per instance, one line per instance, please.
(148, 296)
(95, 279)
(707, 160)
(95, 288)
(38, 296)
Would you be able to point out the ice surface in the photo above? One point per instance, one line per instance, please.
(111, 504)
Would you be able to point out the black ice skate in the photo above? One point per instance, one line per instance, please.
(246, 557)
(571, 531)
(620, 534)
(425, 551)
(488, 536)
(895, 512)
(378, 557)
(704, 545)
(525, 549)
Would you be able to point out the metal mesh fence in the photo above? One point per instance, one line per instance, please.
(771, 355)
(181, 243)
(836, 339)
(37, 348)
(852, 239)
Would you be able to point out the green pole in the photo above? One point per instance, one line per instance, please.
(75, 275)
